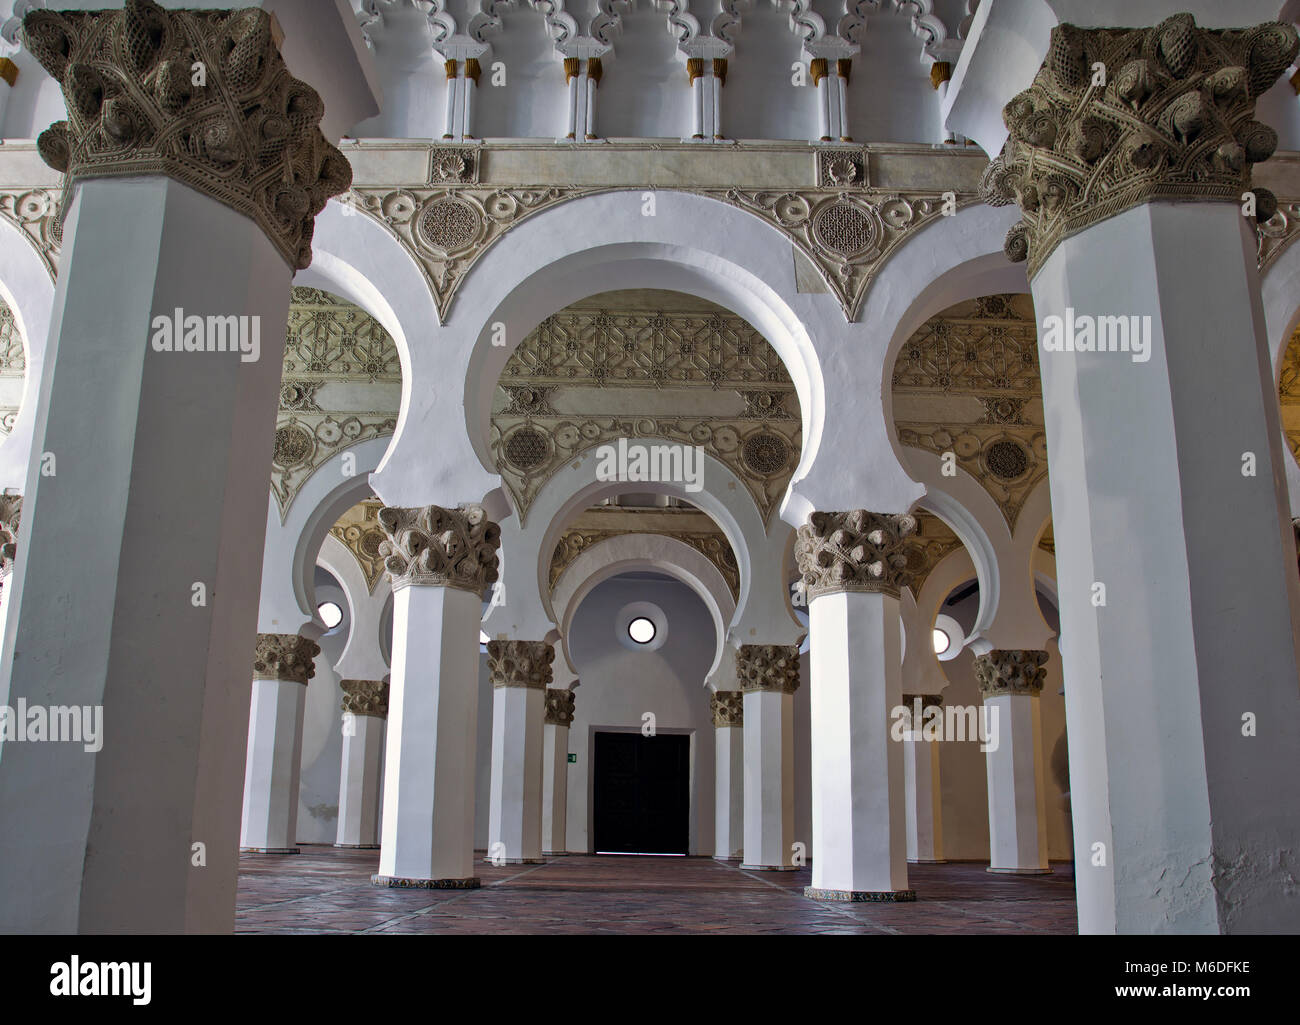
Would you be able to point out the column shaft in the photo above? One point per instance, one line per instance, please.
(273, 768)
(555, 790)
(858, 814)
(428, 826)
(182, 439)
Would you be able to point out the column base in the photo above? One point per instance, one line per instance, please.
(516, 861)
(770, 868)
(358, 846)
(1019, 871)
(729, 858)
(859, 896)
(555, 854)
(472, 883)
(927, 861)
(270, 850)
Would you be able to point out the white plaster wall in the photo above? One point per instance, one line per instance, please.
(619, 685)
(644, 92)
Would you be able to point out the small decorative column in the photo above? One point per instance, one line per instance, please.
(555, 771)
(832, 92)
(282, 665)
(853, 566)
(520, 672)
(440, 561)
(581, 77)
(707, 77)
(1011, 681)
(365, 707)
(1143, 262)
(462, 85)
(768, 676)
(921, 783)
(940, 76)
(728, 708)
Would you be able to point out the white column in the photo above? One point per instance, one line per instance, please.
(115, 628)
(555, 771)
(470, 86)
(573, 83)
(853, 566)
(822, 83)
(427, 836)
(365, 708)
(1011, 680)
(924, 800)
(135, 596)
(729, 774)
(1142, 686)
(1177, 585)
(593, 75)
(695, 73)
(520, 672)
(281, 668)
(769, 676)
(840, 85)
(715, 85)
(451, 67)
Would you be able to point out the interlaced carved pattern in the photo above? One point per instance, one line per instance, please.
(846, 235)
(248, 136)
(1175, 120)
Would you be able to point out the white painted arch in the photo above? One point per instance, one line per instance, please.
(604, 241)
(629, 553)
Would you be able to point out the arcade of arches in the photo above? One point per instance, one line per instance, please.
(660, 466)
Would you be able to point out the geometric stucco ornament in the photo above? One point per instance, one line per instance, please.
(854, 551)
(559, 706)
(202, 97)
(1011, 671)
(520, 663)
(365, 697)
(728, 708)
(11, 510)
(1175, 120)
(440, 547)
(769, 667)
(287, 657)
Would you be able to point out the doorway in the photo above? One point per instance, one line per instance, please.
(641, 798)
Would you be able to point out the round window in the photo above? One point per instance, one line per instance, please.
(642, 630)
(331, 614)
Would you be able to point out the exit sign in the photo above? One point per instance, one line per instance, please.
(572, 758)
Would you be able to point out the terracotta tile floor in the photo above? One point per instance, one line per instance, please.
(324, 890)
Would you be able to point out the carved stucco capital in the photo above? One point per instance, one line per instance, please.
(202, 97)
(439, 547)
(365, 697)
(728, 708)
(768, 667)
(287, 657)
(520, 663)
(1175, 120)
(11, 509)
(559, 706)
(1011, 671)
(854, 551)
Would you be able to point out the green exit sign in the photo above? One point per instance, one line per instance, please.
(572, 758)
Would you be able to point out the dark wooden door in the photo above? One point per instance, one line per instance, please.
(642, 799)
